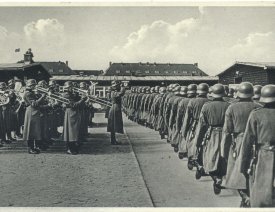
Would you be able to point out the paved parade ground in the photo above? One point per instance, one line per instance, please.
(142, 172)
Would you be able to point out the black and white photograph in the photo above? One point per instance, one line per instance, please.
(128, 105)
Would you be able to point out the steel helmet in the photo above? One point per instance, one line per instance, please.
(218, 91)
(192, 89)
(176, 90)
(268, 94)
(183, 90)
(68, 84)
(245, 90)
(42, 83)
(257, 91)
(11, 81)
(30, 82)
(202, 88)
(162, 90)
(83, 85)
(2, 85)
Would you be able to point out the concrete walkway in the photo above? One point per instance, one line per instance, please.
(169, 181)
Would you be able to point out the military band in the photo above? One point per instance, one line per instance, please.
(223, 132)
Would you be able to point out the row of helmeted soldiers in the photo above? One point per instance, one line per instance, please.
(226, 133)
(35, 116)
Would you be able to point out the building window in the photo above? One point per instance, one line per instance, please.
(175, 72)
(127, 72)
(147, 71)
(51, 70)
(166, 72)
(157, 72)
(60, 71)
(193, 73)
(184, 72)
(117, 71)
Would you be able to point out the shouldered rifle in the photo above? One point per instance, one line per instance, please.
(207, 135)
(253, 160)
(193, 128)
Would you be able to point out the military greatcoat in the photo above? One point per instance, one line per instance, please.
(32, 123)
(235, 122)
(190, 123)
(115, 121)
(260, 131)
(209, 133)
(182, 142)
(72, 118)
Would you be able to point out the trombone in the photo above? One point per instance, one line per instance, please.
(92, 97)
(53, 96)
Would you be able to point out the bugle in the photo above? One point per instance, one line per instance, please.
(92, 98)
(53, 96)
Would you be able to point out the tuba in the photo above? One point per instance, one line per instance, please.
(4, 99)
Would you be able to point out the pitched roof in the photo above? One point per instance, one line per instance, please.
(154, 69)
(134, 78)
(57, 68)
(264, 65)
(16, 66)
(90, 72)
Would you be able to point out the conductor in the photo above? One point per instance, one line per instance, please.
(115, 122)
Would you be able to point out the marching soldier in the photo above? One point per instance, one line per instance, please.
(209, 134)
(115, 121)
(257, 93)
(191, 93)
(191, 120)
(235, 122)
(72, 119)
(170, 112)
(177, 118)
(32, 132)
(151, 105)
(257, 150)
(156, 109)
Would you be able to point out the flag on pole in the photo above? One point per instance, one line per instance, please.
(17, 50)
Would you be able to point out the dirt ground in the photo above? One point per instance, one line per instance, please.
(102, 175)
(106, 176)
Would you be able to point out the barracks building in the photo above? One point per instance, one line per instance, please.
(256, 73)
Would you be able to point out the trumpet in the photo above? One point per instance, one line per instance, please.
(92, 98)
(56, 97)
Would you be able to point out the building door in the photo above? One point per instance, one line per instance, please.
(238, 80)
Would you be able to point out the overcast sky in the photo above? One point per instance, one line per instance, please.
(90, 37)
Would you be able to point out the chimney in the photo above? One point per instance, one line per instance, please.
(67, 63)
(196, 64)
(110, 63)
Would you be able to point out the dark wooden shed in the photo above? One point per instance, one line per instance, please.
(261, 73)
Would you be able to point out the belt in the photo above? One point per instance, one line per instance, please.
(270, 147)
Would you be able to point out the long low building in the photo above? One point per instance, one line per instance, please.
(139, 81)
(147, 74)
